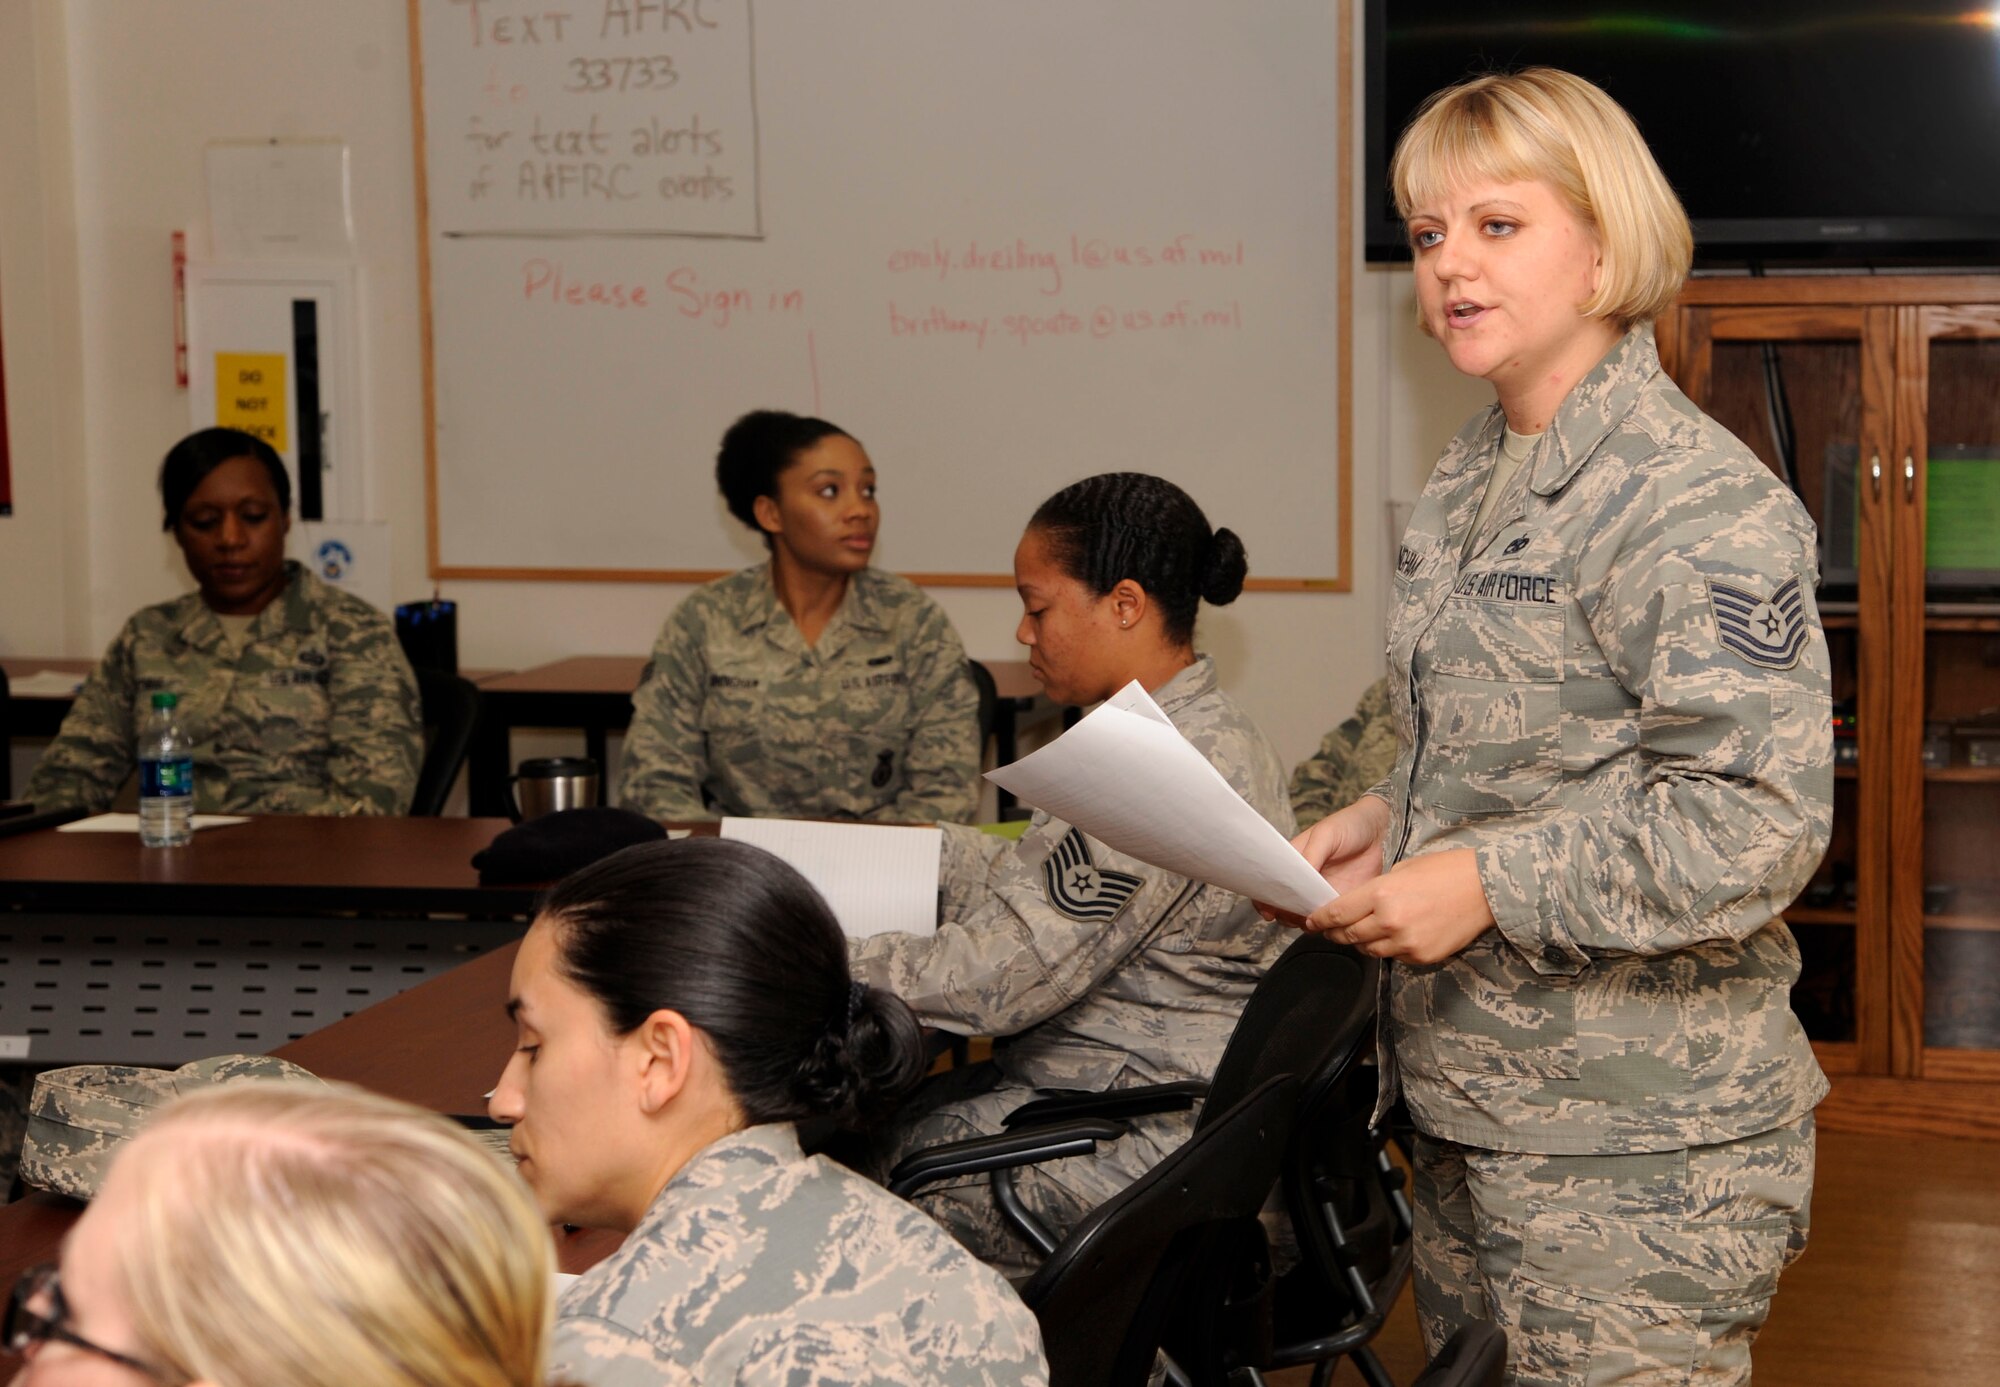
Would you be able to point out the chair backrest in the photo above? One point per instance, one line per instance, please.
(451, 708)
(1346, 1205)
(989, 701)
(1312, 1014)
(1476, 1356)
(1167, 1251)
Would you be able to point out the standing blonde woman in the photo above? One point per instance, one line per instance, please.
(1614, 772)
(272, 1235)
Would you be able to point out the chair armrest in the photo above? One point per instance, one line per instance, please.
(977, 1155)
(1118, 1104)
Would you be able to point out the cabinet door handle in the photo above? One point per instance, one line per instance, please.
(1875, 473)
(1909, 477)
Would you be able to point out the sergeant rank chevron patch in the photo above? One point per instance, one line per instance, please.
(1079, 888)
(1768, 633)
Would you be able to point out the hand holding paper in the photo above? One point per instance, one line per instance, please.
(1127, 777)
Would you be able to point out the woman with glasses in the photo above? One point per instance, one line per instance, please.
(275, 1235)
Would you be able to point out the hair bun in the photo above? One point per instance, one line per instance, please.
(870, 1057)
(1224, 567)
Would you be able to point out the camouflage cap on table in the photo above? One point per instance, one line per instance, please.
(78, 1117)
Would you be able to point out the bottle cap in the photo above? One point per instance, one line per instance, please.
(165, 700)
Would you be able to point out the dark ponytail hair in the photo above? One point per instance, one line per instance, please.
(759, 446)
(1118, 525)
(740, 944)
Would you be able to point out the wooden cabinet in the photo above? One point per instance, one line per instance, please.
(1887, 389)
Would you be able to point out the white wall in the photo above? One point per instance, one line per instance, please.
(105, 110)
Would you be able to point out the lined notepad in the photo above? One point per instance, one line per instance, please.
(876, 878)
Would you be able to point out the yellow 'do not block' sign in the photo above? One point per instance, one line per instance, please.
(250, 394)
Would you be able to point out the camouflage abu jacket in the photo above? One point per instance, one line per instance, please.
(1098, 969)
(316, 714)
(736, 714)
(1617, 695)
(757, 1265)
(1351, 760)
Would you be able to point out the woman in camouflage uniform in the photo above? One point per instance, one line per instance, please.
(1096, 970)
(294, 1235)
(811, 686)
(1615, 770)
(295, 695)
(680, 1005)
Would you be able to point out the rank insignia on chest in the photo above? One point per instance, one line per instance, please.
(1079, 888)
(1767, 632)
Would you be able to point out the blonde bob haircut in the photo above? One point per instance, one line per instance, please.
(288, 1235)
(1545, 125)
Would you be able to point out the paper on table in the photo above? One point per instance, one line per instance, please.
(129, 823)
(45, 683)
(876, 878)
(1126, 776)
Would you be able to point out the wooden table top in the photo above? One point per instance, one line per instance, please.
(619, 674)
(441, 1045)
(280, 862)
(19, 667)
(585, 674)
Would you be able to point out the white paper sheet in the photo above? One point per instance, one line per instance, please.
(45, 683)
(129, 823)
(1126, 776)
(876, 878)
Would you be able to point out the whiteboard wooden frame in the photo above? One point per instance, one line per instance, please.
(1342, 581)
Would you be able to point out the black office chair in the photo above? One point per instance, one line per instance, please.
(989, 701)
(1313, 1015)
(1310, 1016)
(1353, 1223)
(1171, 1258)
(1476, 1356)
(451, 709)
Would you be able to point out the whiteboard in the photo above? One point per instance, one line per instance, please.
(1004, 245)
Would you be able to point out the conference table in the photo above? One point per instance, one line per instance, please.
(251, 935)
(439, 1045)
(593, 694)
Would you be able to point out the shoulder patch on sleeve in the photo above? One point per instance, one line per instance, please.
(1767, 632)
(1079, 888)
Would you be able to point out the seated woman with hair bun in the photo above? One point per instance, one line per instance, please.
(1096, 970)
(679, 1006)
(811, 686)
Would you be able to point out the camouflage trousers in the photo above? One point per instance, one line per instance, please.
(1650, 1268)
(973, 1101)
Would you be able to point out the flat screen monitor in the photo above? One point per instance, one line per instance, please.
(1824, 131)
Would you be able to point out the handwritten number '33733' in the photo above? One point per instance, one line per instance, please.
(621, 74)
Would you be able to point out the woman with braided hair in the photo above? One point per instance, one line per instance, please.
(679, 1006)
(1097, 971)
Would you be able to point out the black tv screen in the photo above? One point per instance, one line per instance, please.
(1827, 131)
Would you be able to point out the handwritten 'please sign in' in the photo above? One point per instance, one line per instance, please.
(622, 117)
(1006, 245)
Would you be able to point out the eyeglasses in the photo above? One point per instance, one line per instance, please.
(24, 1328)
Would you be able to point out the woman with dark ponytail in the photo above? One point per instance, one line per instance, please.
(679, 1005)
(1100, 971)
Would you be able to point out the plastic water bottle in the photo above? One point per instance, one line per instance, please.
(166, 778)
